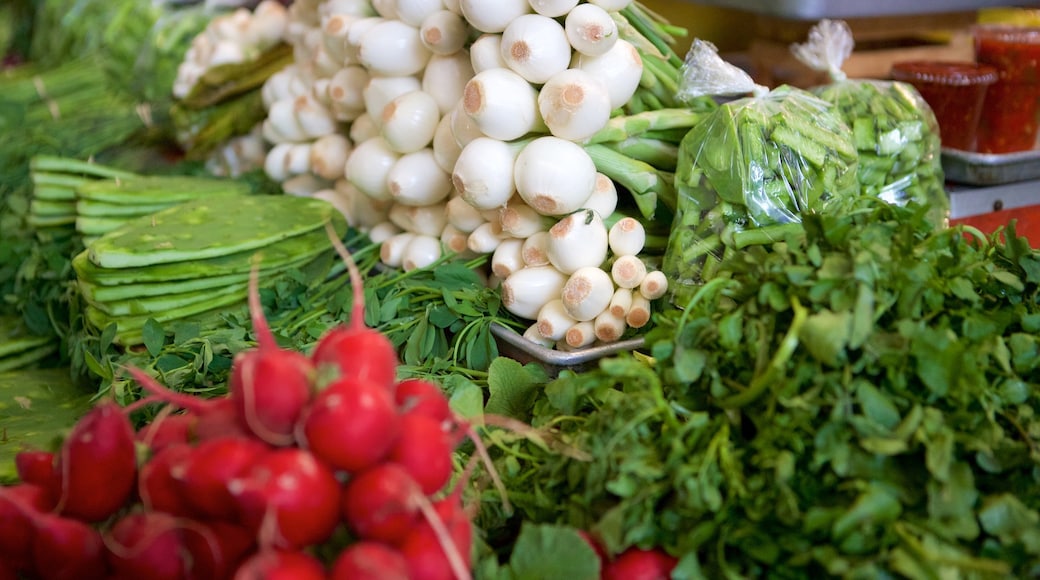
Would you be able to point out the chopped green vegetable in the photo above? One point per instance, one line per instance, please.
(897, 137)
(748, 171)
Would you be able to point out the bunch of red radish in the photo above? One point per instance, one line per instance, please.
(304, 453)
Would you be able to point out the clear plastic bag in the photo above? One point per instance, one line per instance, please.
(894, 130)
(750, 170)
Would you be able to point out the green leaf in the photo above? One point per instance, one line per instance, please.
(513, 387)
(37, 407)
(467, 398)
(544, 551)
(825, 334)
(153, 336)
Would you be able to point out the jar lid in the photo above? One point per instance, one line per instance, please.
(952, 73)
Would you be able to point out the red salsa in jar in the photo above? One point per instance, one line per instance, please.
(954, 91)
(1011, 112)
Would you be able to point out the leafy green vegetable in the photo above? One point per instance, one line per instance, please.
(548, 551)
(861, 400)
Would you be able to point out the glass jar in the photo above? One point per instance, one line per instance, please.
(1011, 111)
(955, 93)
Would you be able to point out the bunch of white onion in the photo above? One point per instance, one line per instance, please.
(466, 126)
(231, 38)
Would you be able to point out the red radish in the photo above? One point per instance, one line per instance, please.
(351, 425)
(156, 486)
(423, 397)
(424, 449)
(216, 548)
(19, 505)
(97, 466)
(275, 565)
(7, 571)
(204, 474)
(380, 503)
(640, 564)
(219, 419)
(67, 548)
(370, 561)
(439, 548)
(290, 497)
(167, 429)
(356, 351)
(35, 466)
(269, 385)
(147, 545)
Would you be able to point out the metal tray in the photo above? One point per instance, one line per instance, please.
(817, 9)
(515, 346)
(989, 168)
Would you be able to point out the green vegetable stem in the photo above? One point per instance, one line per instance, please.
(748, 172)
(897, 137)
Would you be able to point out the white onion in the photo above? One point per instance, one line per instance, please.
(363, 128)
(590, 30)
(381, 90)
(368, 165)
(488, 16)
(415, 179)
(421, 251)
(413, 12)
(525, 291)
(383, 231)
(329, 156)
(393, 48)
(577, 241)
(587, 293)
(626, 236)
(483, 173)
(445, 78)
(535, 47)
(486, 52)
(620, 69)
(444, 32)
(502, 104)
(554, 176)
(409, 121)
(553, 8)
(574, 104)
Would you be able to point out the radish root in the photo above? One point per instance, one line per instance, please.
(451, 549)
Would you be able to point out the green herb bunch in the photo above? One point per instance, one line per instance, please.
(861, 399)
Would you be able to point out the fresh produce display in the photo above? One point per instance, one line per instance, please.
(192, 258)
(750, 171)
(894, 130)
(829, 381)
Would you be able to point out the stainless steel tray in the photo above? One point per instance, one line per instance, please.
(515, 346)
(817, 9)
(989, 168)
